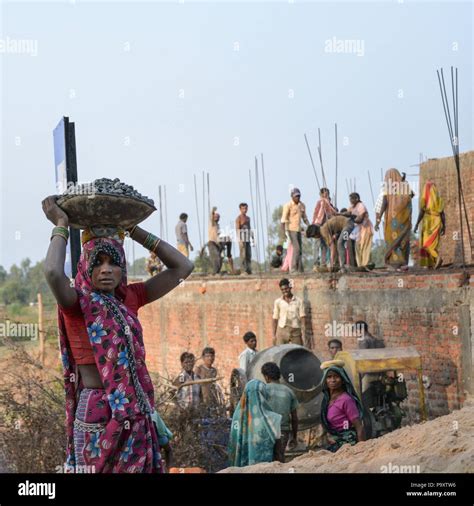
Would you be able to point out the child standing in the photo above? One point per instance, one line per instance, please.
(247, 355)
(205, 371)
(188, 395)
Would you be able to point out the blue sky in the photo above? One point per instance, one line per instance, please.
(162, 91)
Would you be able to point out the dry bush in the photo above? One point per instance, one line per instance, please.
(200, 435)
(32, 431)
(32, 419)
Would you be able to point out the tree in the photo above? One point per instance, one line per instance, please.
(138, 268)
(3, 274)
(22, 284)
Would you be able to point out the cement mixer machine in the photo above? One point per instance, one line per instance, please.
(301, 371)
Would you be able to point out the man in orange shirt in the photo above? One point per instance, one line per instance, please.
(293, 212)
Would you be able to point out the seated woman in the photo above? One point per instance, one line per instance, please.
(255, 432)
(109, 394)
(341, 409)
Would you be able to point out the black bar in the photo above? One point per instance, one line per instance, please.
(288, 489)
(71, 174)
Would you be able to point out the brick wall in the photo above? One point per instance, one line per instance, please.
(442, 171)
(432, 311)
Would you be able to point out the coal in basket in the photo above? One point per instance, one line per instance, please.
(105, 202)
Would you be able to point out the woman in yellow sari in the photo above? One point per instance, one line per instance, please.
(433, 225)
(397, 208)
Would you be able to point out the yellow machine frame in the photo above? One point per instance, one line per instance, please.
(358, 362)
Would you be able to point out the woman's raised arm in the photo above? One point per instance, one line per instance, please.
(178, 266)
(60, 284)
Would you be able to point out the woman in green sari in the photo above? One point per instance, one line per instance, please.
(255, 432)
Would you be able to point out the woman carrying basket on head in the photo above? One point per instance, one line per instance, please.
(109, 393)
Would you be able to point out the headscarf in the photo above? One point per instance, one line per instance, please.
(430, 199)
(397, 192)
(116, 337)
(349, 387)
(433, 205)
(255, 427)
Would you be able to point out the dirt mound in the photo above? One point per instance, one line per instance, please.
(443, 445)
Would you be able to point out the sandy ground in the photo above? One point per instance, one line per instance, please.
(443, 445)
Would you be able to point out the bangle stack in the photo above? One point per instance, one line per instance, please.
(62, 232)
(151, 242)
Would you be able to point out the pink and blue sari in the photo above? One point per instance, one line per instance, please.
(109, 430)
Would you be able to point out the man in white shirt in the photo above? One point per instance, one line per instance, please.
(247, 355)
(289, 317)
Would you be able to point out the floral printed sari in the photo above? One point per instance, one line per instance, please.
(111, 429)
(397, 219)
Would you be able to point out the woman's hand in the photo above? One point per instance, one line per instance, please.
(54, 213)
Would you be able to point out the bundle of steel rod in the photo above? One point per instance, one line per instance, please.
(261, 238)
(452, 124)
(320, 153)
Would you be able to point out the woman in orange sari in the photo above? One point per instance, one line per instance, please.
(396, 206)
(433, 225)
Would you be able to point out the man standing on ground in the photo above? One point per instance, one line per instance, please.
(293, 212)
(245, 237)
(213, 244)
(182, 235)
(282, 400)
(289, 318)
